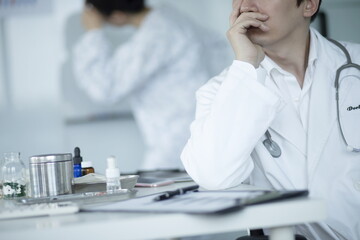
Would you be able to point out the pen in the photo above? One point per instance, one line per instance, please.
(180, 191)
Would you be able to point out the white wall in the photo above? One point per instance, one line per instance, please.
(36, 52)
(343, 19)
(212, 14)
(3, 102)
(34, 124)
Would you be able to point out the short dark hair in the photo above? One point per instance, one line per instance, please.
(107, 7)
(313, 16)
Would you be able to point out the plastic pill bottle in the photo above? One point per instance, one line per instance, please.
(112, 173)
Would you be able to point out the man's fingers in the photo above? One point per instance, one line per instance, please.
(243, 18)
(243, 26)
(235, 12)
(233, 16)
(251, 15)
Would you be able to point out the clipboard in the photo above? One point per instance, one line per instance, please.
(204, 202)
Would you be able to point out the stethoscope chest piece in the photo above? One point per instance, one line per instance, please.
(272, 147)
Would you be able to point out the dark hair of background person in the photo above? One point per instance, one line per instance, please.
(107, 7)
(314, 16)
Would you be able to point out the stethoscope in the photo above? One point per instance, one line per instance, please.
(275, 150)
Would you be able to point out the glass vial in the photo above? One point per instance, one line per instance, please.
(2, 162)
(86, 168)
(14, 176)
(112, 173)
(77, 159)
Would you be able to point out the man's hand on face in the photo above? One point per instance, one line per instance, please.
(91, 18)
(241, 19)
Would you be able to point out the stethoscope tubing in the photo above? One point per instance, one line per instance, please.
(275, 150)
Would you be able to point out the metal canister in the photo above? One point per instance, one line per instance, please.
(51, 175)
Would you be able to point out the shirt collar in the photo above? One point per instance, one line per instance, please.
(314, 52)
(269, 65)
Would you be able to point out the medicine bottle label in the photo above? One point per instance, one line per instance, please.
(13, 189)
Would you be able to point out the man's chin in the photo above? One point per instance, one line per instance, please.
(257, 36)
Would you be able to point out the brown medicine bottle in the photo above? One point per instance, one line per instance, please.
(86, 168)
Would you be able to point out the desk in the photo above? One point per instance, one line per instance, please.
(279, 217)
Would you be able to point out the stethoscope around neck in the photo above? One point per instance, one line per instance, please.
(275, 150)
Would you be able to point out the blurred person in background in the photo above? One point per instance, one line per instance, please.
(158, 70)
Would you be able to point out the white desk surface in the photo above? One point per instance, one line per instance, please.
(117, 226)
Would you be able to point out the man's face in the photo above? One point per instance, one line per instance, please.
(118, 18)
(284, 18)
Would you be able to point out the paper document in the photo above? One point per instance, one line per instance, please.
(196, 202)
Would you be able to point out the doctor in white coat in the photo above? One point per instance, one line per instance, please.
(283, 81)
(158, 70)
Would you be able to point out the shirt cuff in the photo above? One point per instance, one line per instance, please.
(261, 73)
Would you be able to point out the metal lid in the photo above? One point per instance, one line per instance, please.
(51, 158)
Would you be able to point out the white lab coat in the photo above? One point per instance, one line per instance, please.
(158, 70)
(235, 109)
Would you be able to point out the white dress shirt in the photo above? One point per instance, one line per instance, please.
(287, 84)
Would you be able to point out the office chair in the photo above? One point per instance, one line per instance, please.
(258, 234)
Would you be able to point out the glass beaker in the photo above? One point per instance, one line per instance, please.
(13, 176)
(2, 162)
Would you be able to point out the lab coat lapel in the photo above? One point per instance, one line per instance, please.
(322, 109)
(294, 134)
(322, 112)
